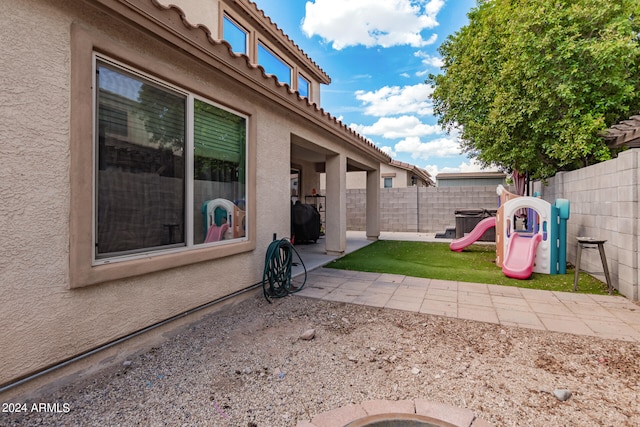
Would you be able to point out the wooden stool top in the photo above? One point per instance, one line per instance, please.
(591, 240)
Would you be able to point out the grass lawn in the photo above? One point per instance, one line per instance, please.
(436, 261)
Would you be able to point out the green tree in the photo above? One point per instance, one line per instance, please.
(163, 114)
(532, 84)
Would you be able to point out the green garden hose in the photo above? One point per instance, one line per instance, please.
(276, 279)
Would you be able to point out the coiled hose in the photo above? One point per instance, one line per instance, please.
(276, 279)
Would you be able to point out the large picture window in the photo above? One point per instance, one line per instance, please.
(170, 167)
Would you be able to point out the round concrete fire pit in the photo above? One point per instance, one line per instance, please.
(402, 413)
(396, 420)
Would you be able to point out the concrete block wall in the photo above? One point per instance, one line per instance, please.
(439, 204)
(604, 204)
(356, 209)
(419, 209)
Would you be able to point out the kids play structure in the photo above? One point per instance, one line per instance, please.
(222, 220)
(538, 245)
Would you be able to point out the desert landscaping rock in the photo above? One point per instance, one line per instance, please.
(497, 372)
(562, 395)
(308, 334)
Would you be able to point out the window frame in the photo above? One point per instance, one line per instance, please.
(276, 57)
(189, 157)
(82, 271)
(384, 182)
(247, 41)
(308, 84)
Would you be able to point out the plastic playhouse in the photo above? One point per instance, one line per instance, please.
(222, 219)
(531, 235)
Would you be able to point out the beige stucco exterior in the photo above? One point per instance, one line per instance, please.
(400, 174)
(55, 304)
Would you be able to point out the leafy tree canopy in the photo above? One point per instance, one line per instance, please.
(532, 84)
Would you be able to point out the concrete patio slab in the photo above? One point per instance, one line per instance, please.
(477, 313)
(526, 319)
(442, 295)
(475, 298)
(403, 303)
(606, 316)
(439, 308)
(393, 278)
(383, 287)
(412, 292)
(373, 300)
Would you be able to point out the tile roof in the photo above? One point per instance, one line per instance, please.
(421, 173)
(239, 61)
(266, 19)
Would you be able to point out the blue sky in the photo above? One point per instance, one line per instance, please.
(378, 54)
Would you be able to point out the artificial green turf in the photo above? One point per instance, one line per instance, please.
(436, 261)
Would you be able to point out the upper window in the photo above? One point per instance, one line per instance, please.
(388, 183)
(272, 64)
(303, 86)
(235, 35)
(170, 167)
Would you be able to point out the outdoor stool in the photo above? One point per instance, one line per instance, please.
(590, 242)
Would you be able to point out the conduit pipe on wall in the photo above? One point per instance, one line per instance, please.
(120, 340)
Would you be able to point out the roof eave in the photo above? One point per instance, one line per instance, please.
(218, 54)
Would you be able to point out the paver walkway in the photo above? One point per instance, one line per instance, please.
(605, 316)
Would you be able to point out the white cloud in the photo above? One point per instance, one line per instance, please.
(394, 100)
(432, 169)
(429, 60)
(371, 23)
(440, 147)
(388, 150)
(472, 166)
(432, 39)
(398, 127)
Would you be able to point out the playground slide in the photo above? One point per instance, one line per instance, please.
(520, 257)
(477, 232)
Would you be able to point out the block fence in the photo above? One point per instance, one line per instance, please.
(419, 209)
(604, 205)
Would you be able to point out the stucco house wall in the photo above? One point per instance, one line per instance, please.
(401, 177)
(50, 312)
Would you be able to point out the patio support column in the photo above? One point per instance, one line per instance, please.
(336, 214)
(373, 205)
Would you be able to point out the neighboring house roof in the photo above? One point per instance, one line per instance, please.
(471, 175)
(220, 55)
(625, 133)
(420, 173)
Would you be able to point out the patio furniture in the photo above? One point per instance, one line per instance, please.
(590, 242)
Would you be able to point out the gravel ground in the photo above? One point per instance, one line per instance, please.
(247, 366)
